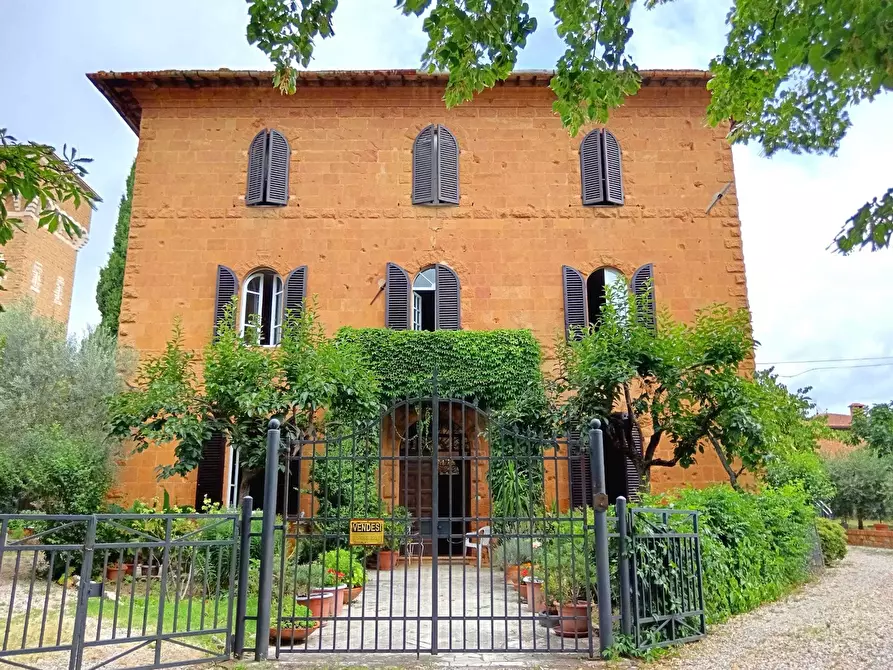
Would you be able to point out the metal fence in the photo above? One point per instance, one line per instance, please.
(123, 590)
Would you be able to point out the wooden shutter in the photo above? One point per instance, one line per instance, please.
(227, 287)
(295, 291)
(612, 169)
(633, 480)
(581, 471)
(396, 298)
(211, 468)
(257, 161)
(591, 169)
(424, 165)
(642, 286)
(447, 299)
(278, 158)
(576, 312)
(447, 167)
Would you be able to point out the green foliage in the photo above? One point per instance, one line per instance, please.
(833, 539)
(310, 382)
(111, 277)
(864, 484)
(568, 559)
(54, 452)
(754, 547)
(33, 172)
(874, 427)
(787, 75)
(805, 468)
(397, 526)
(495, 367)
(345, 563)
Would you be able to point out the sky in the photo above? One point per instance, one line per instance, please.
(808, 303)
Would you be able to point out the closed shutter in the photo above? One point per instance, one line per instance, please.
(209, 480)
(591, 169)
(581, 471)
(447, 167)
(642, 286)
(295, 291)
(396, 295)
(278, 157)
(257, 161)
(576, 313)
(633, 479)
(447, 299)
(227, 287)
(423, 168)
(612, 169)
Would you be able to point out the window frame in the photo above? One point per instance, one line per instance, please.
(274, 327)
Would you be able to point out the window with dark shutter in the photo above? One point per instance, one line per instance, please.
(576, 315)
(268, 165)
(295, 291)
(227, 288)
(601, 172)
(447, 299)
(435, 167)
(396, 293)
(580, 471)
(642, 286)
(633, 479)
(209, 480)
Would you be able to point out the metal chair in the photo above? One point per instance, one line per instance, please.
(414, 543)
(478, 540)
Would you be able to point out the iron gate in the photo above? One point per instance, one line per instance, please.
(139, 591)
(466, 510)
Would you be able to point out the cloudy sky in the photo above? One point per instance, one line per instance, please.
(808, 304)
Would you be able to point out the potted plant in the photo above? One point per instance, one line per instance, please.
(351, 571)
(533, 587)
(308, 580)
(302, 621)
(334, 583)
(396, 530)
(568, 584)
(514, 552)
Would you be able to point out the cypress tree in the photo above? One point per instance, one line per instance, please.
(111, 277)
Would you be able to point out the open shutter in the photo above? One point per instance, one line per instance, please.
(278, 157)
(447, 167)
(576, 313)
(591, 169)
(257, 161)
(227, 287)
(295, 291)
(642, 286)
(447, 300)
(612, 168)
(209, 480)
(396, 298)
(633, 480)
(424, 164)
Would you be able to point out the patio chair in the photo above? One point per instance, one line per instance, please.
(479, 541)
(414, 544)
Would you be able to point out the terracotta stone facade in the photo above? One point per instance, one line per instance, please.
(880, 537)
(41, 264)
(520, 216)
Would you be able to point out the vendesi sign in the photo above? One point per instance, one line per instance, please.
(367, 532)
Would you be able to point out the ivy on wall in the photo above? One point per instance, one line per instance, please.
(498, 368)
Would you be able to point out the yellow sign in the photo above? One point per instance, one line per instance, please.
(368, 532)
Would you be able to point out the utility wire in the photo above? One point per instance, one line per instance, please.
(831, 360)
(836, 367)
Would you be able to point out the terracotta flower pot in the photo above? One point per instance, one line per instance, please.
(319, 604)
(513, 574)
(574, 618)
(338, 594)
(881, 526)
(292, 635)
(116, 571)
(352, 594)
(387, 560)
(536, 599)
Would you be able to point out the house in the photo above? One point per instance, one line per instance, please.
(364, 190)
(41, 264)
(840, 424)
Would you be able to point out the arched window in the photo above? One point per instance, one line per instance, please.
(261, 321)
(596, 295)
(435, 167)
(268, 163)
(601, 172)
(432, 301)
(423, 293)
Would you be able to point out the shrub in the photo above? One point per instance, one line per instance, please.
(345, 562)
(754, 547)
(833, 539)
(805, 467)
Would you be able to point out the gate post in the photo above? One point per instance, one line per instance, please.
(600, 504)
(244, 564)
(625, 625)
(265, 596)
(79, 632)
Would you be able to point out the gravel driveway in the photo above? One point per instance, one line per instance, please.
(844, 620)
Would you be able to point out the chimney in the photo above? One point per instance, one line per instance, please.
(856, 407)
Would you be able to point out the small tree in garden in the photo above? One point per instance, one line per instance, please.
(864, 484)
(874, 427)
(310, 382)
